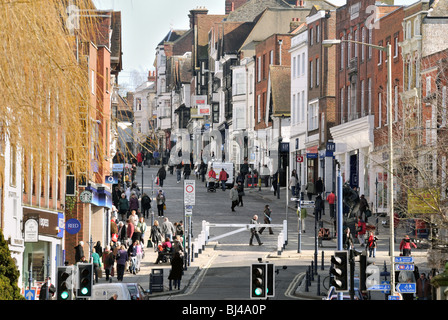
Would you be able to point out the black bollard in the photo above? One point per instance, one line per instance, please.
(306, 281)
(318, 285)
(322, 264)
(312, 270)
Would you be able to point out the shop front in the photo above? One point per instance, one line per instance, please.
(44, 250)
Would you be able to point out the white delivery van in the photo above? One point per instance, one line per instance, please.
(228, 166)
(104, 291)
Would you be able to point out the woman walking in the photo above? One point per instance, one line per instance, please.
(160, 199)
(156, 235)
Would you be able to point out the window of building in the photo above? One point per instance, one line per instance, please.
(259, 108)
(317, 72)
(313, 113)
(311, 70)
(342, 52)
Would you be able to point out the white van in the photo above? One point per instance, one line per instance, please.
(217, 167)
(104, 291)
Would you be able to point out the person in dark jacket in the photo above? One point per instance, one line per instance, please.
(162, 175)
(79, 251)
(177, 267)
(146, 205)
(123, 207)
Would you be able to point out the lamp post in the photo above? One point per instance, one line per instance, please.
(388, 50)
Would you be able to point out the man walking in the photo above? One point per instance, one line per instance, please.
(254, 231)
(234, 197)
(331, 199)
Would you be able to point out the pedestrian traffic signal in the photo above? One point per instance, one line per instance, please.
(339, 270)
(64, 283)
(85, 280)
(258, 281)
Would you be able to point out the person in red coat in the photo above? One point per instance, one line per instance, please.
(406, 245)
(223, 179)
(139, 158)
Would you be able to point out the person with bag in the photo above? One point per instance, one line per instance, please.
(267, 219)
(223, 179)
(122, 258)
(160, 200)
(142, 226)
(96, 265)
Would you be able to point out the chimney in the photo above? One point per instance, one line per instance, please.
(151, 76)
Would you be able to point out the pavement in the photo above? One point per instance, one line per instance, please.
(311, 290)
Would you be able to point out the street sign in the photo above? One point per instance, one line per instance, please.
(299, 158)
(406, 288)
(404, 260)
(307, 204)
(394, 298)
(72, 226)
(117, 167)
(111, 179)
(30, 294)
(404, 267)
(189, 192)
(379, 287)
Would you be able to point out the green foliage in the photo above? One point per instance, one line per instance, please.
(9, 274)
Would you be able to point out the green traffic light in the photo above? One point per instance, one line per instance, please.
(258, 291)
(84, 291)
(64, 295)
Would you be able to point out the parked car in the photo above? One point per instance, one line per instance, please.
(137, 292)
(105, 291)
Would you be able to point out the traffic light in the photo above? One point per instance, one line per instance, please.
(339, 270)
(85, 280)
(64, 283)
(258, 280)
(270, 281)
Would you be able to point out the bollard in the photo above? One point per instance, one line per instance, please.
(312, 270)
(318, 285)
(322, 264)
(306, 282)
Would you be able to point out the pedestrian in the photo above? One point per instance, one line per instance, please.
(123, 207)
(161, 174)
(79, 251)
(319, 187)
(137, 235)
(254, 231)
(139, 158)
(160, 200)
(310, 190)
(165, 247)
(223, 179)
(140, 254)
(134, 217)
(406, 244)
(293, 184)
(156, 235)
(187, 171)
(129, 231)
(177, 268)
(108, 262)
(363, 206)
(122, 258)
(361, 231)
(303, 215)
(113, 230)
(234, 197)
(331, 199)
(177, 246)
(146, 205)
(371, 244)
(275, 183)
(347, 240)
(47, 285)
(202, 170)
(241, 193)
(266, 219)
(179, 172)
(142, 226)
(96, 260)
(167, 229)
(133, 203)
(180, 229)
(318, 203)
(423, 288)
(122, 232)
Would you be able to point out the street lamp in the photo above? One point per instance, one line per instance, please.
(388, 50)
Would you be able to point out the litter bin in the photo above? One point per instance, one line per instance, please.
(156, 280)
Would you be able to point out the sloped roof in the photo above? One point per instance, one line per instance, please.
(280, 90)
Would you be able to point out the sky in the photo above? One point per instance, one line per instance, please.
(146, 22)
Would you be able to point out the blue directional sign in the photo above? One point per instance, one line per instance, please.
(30, 294)
(404, 260)
(379, 287)
(404, 267)
(406, 288)
(394, 298)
